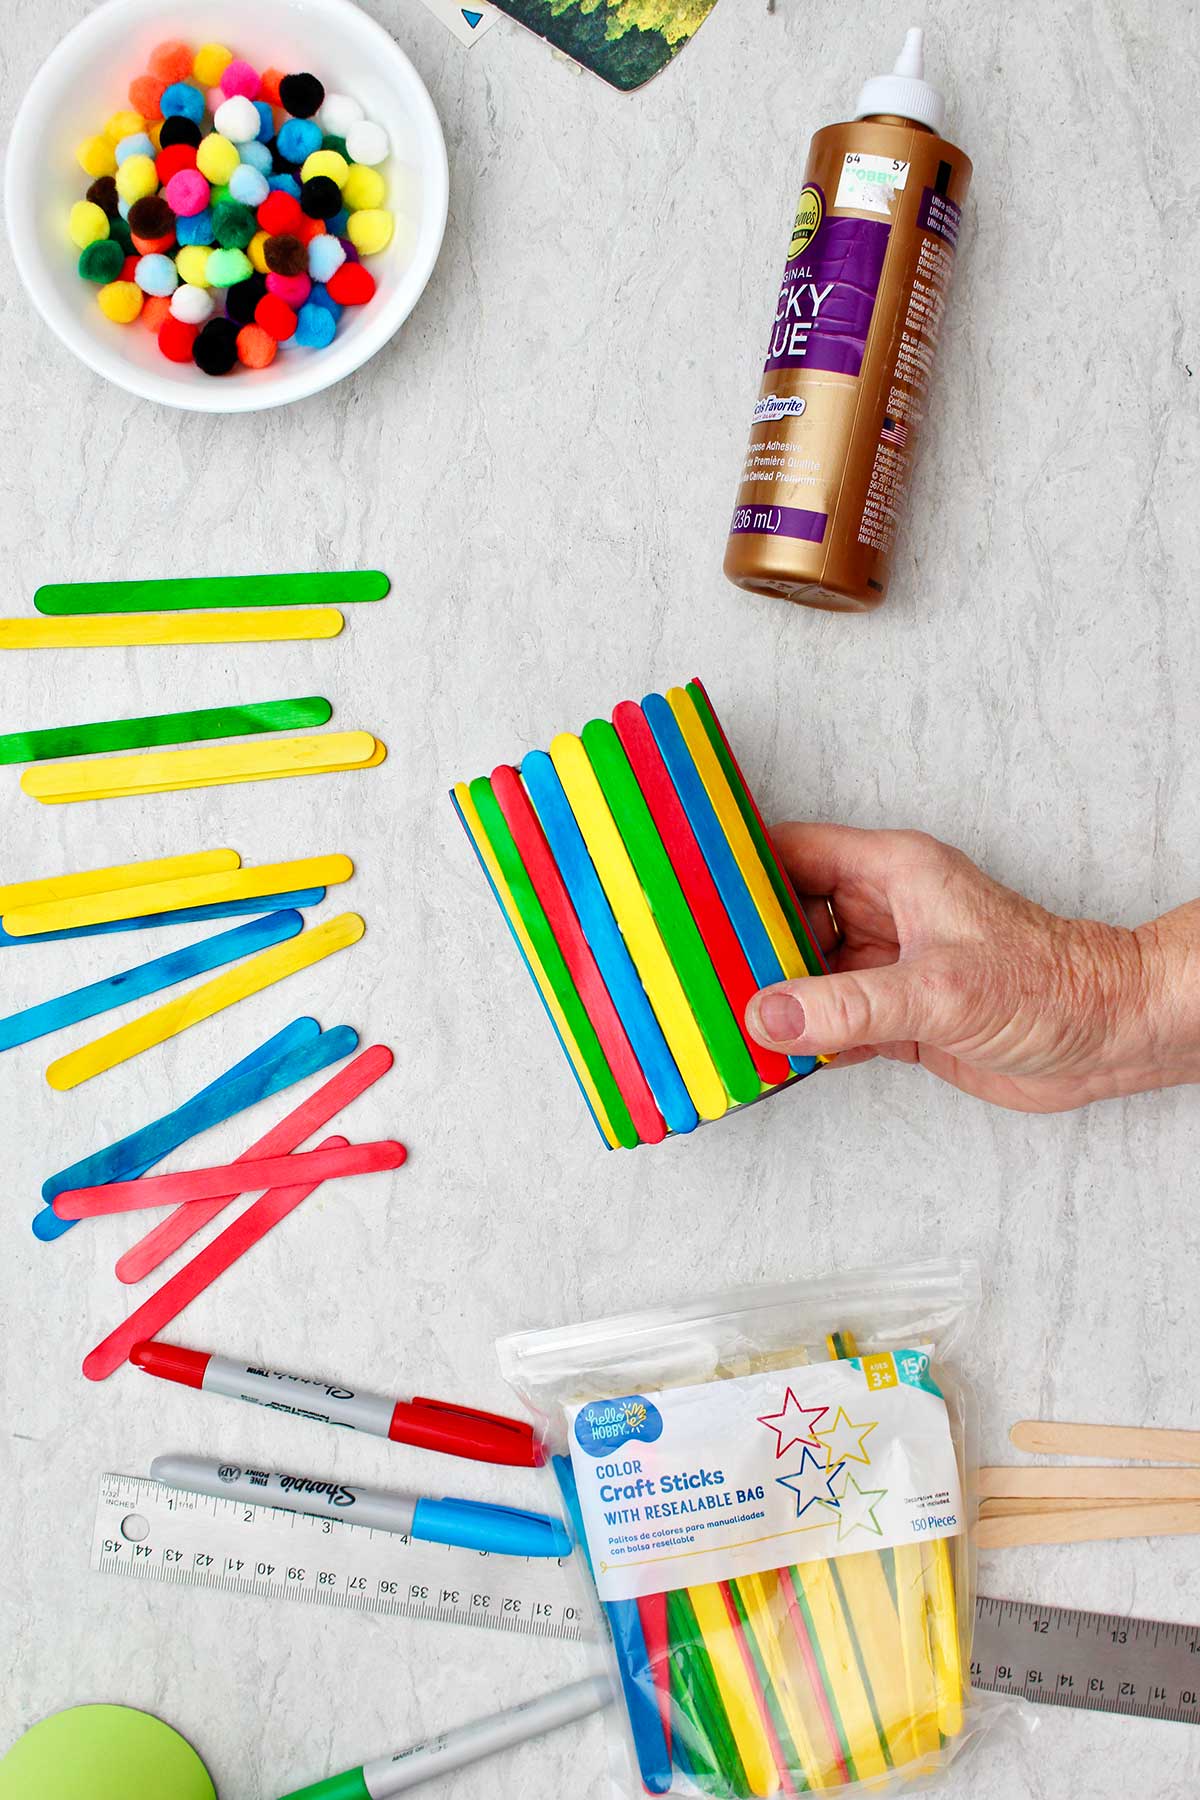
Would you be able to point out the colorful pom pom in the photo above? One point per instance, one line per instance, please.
(192, 304)
(255, 347)
(320, 198)
(215, 347)
(225, 267)
(103, 193)
(370, 230)
(248, 186)
(241, 300)
(293, 290)
(155, 308)
(276, 317)
(122, 124)
(332, 142)
(145, 95)
(136, 177)
(238, 78)
(283, 253)
(168, 162)
(302, 95)
(325, 162)
(315, 327)
(179, 130)
(351, 285)
(199, 229)
(321, 296)
(156, 275)
(363, 188)
(268, 86)
(298, 138)
(325, 255)
(192, 264)
(87, 223)
(175, 339)
(279, 184)
(96, 156)
(101, 261)
(279, 212)
(211, 62)
(259, 157)
(217, 158)
(171, 61)
(266, 121)
(237, 119)
(136, 144)
(187, 193)
(367, 143)
(120, 301)
(182, 99)
(338, 112)
(233, 225)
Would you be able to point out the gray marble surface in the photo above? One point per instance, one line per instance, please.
(545, 461)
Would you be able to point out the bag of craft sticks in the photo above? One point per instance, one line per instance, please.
(767, 1491)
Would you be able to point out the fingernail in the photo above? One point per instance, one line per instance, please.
(777, 1016)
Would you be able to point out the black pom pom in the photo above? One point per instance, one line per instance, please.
(301, 95)
(320, 197)
(178, 130)
(151, 217)
(103, 193)
(285, 254)
(280, 164)
(244, 296)
(215, 348)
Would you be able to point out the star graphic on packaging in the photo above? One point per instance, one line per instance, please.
(794, 1424)
(844, 1441)
(812, 1481)
(855, 1505)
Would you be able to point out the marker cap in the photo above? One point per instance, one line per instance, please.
(463, 1431)
(477, 1525)
(349, 1786)
(171, 1362)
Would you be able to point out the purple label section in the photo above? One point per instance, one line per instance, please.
(780, 521)
(940, 215)
(828, 296)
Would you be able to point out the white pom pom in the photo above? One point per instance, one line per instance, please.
(367, 143)
(192, 304)
(237, 119)
(338, 112)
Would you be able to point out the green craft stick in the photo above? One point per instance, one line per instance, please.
(329, 587)
(754, 825)
(679, 931)
(156, 729)
(689, 1734)
(687, 1637)
(793, 1761)
(551, 957)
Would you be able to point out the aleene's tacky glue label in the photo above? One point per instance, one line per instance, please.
(848, 363)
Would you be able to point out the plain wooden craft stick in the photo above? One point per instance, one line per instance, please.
(125, 630)
(1057, 1503)
(168, 896)
(1087, 1483)
(1123, 1443)
(165, 771)
(18, 894)
(1166, 1519)
(211, 997)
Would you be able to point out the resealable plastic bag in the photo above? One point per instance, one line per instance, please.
(767, 1489)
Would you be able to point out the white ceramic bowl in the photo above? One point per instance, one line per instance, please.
(85, 80)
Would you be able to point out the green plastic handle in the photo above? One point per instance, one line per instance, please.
(192, 593)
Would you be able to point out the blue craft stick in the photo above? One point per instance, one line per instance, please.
(147, 978)
(710, 835)
(537, 986)
(633, 1659)
(186, 915)
(608, 946)
(133, 1155)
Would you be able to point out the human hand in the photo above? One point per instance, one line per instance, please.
(944, 967)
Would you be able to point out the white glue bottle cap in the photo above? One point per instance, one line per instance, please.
(904, 93)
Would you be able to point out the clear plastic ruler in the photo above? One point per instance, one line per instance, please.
(154, 1533)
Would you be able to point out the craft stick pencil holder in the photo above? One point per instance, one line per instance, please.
(637, 877)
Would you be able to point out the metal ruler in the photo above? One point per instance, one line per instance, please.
(155, 1533)
(1100, 1662)
(1055, 1656)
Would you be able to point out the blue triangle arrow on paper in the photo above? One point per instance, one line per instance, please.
(472, 18)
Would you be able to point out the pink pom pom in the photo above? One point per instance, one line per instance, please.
(239, 78)
(293, 290)
(186, 193)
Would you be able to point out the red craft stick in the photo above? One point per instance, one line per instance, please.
(150, 1251)
(700, 890)
(156, 1313)
(590, 984)
(228, 1180)
(652, 1611)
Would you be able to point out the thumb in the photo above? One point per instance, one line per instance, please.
(842, 1012)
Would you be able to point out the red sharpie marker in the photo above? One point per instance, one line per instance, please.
(427, 1424)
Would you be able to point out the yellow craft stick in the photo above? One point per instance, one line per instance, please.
(736, 1691)
(768, 1628)
(841, 1668)
(913, 1606)
(734, 827)
(98, 632)
(470, 813)
(378, 755)
(226, 989)
(632, 911)
(166, 896)
(938, 1570)
(162, 771)
(872, 1614)
(104, 881)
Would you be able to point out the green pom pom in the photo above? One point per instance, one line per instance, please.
(101, 261)
(221, 196)
(338, 144)
(225, 267)
(119, 233)
(233, 225)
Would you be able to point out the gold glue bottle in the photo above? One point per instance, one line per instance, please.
(852, 347)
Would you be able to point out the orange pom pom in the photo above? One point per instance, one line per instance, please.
(155, 309)
(255, 347)
(268, 86)
(171, 61)
(145, 95)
